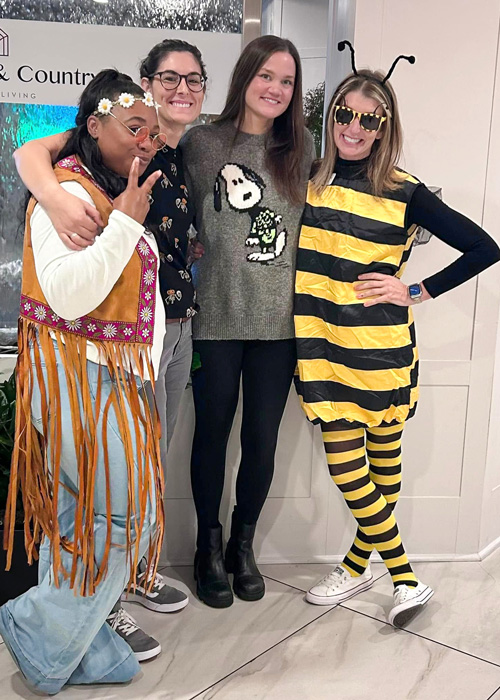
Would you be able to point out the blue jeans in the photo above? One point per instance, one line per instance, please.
(55, 636)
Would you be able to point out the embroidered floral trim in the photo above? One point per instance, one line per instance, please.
(97, 329)
(71, 163)
(93, 328)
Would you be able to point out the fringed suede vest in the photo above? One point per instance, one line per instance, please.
(122, 329)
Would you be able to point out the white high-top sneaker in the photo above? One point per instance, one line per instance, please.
(408, 601)
(338, 586)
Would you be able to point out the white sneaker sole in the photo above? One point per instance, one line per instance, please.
(146, 655)
(402, 614)
(339, 597)
(151, 605)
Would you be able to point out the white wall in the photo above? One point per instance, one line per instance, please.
(451, 489)
(304, 23)
(490, 525)
(445, 447)
(446, 103)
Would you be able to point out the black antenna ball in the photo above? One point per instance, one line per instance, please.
(341, 46)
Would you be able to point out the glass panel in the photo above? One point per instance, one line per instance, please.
(194, 15)
(19, 123)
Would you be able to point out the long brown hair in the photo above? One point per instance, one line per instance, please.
(385, 151)
(285, 148)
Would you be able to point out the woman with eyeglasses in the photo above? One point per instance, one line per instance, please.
(357, 356)
(249, 171)
(175, 74)
(86, 452)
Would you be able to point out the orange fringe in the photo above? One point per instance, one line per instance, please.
(30, 461)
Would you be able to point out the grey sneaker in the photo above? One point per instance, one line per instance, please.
(161, 597)
(143, 646)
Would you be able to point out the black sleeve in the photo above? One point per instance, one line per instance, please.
(478, 249)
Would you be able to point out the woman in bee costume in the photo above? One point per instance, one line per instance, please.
(357, 354)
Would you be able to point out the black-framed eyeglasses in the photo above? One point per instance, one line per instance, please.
(170, 80)
(141, 133)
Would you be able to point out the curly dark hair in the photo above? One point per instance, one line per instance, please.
(150, 64)
(107, 83)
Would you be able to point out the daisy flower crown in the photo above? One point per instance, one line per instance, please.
(125, 100)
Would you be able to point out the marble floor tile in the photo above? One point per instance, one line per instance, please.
(200, 645)
(303, 576)
(464, 612)
(352, 657)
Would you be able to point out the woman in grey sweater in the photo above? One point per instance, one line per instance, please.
(248, 171)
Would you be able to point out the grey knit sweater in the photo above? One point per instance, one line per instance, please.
(245, 280)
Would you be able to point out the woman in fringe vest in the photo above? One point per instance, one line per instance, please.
(357, 355)
(87, 446)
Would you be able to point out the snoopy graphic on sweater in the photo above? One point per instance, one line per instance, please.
(244, 192)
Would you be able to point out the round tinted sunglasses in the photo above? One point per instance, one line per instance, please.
(141, 133)
(369, 121)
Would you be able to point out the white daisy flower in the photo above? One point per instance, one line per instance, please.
(104, 106)
(149, 277)
(145, 333)
(55, 318)
(143, 247)
(109, 330)
(126, 100)
(91, 328)
(40, 313)
(148, 99)
(146, 314)
(148, 296)
(73, 325)
(27, 306)
(128, 331)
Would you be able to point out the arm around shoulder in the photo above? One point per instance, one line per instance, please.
(69, 215)
(76, 282)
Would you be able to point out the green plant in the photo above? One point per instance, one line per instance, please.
(314, 101)
(7, 426)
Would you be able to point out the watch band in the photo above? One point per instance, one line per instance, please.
(415, 292)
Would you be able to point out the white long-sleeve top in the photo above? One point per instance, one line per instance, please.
(75, 282)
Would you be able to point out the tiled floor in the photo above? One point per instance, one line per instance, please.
(283, 648)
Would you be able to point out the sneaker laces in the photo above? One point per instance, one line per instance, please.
(334, 578)
(158, 584)
(403, 592)
(122, 622)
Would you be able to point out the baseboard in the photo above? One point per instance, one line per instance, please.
(324, 559)
(489, 549)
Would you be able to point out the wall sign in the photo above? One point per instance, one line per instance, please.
(51, 62)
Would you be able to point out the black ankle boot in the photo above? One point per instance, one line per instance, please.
(248, 583)
(212, 584)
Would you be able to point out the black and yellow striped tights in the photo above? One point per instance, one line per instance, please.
(371, 492)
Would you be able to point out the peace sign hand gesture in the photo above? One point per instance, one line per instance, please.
(134, 200)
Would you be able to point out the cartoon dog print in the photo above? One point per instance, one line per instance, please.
(244, 191)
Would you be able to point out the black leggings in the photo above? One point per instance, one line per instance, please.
(266, 368)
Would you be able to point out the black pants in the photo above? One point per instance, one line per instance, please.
(266, 368)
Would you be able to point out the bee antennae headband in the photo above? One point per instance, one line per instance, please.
(342, 44)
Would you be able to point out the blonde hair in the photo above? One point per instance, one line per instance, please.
(385, 151)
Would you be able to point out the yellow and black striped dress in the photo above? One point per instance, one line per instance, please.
(355, 364)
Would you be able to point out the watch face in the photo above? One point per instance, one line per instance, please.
(415, 290)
